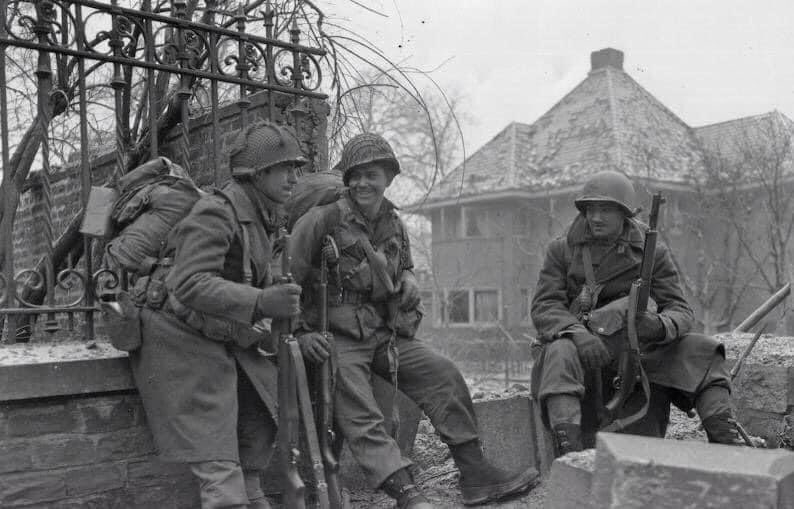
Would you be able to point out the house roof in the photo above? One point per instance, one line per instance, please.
(733, 137)
(608, 121)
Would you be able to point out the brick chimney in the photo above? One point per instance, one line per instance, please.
(606, 57)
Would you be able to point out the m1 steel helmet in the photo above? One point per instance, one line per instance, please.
(363, 149)
(263, 145)
(611, 187)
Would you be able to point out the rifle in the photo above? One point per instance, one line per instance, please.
(324, 385)
(630, 371)
(295, 410)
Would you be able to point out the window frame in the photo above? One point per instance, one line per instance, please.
(471, 290)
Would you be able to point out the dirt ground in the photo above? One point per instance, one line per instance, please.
(435, 471)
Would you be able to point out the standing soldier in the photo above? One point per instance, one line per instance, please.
(373, 320)
(593, 265)
(208, 392)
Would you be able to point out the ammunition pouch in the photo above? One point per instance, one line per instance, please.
(150, 291)
(223, 330)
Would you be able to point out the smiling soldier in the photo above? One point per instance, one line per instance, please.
(374, 320)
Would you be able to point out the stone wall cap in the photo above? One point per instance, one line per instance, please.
(43, 370)
(40, 353)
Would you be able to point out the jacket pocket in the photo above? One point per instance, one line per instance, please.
(343, 320)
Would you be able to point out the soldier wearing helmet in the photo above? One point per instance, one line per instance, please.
(208, 393)
(373, 319)
(588, 273)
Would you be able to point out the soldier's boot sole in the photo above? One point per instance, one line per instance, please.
(523, 481)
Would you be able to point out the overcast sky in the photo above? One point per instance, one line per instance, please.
(708, 61)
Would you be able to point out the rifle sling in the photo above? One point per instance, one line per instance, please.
(634, 352)
(587, 261)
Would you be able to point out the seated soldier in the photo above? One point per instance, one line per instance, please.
(373, 320)
(605, 241)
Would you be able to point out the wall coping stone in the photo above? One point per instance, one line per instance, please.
(41, 370)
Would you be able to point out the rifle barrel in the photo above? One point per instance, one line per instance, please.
(738, 365)
(763, 310)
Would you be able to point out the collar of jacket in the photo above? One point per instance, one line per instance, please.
(251, 205)
(386, 208)
(632, 235)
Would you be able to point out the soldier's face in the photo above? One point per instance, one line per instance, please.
(368, 183)
(605, 220)
(277, 182)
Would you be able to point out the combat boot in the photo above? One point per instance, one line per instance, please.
(567, 438)
(722, 429)
(481, 482)
(400, 486)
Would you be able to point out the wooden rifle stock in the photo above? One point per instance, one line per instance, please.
(295, 409)
(630, 371)
(288, 412)
(324, 384)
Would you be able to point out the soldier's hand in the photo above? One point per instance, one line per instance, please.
(650, 328)
(593, 353)
(409, 291)
(314, 346)
(278, 301)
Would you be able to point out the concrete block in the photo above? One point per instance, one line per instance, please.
(507, 431)
(762, 387)
(39, 370)
(640, 472)
(759, 423)
(570, 481)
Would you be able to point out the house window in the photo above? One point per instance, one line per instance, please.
(486, 306)
(475, 222)
(472, 306)
(458, 306)
(522, 224)
(450, 219)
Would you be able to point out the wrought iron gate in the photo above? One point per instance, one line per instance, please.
(123, 44)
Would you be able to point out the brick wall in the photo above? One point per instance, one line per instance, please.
(85, 451)
(65, 182)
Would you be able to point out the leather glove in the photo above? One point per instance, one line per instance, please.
(593, 353)
(409, 291)
(650, 328)
(314, 346)
(278, 301)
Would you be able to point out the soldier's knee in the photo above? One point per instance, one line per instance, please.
(445, 369)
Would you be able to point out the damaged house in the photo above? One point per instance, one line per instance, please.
(726, 215)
